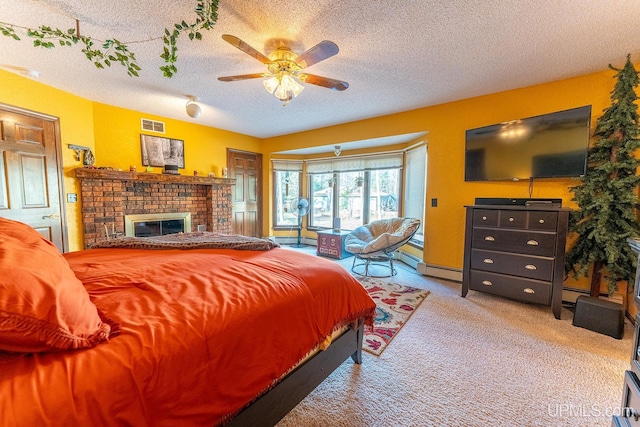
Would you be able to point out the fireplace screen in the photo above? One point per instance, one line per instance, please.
(157, 224)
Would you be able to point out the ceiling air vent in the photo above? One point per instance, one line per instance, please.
(152, 125)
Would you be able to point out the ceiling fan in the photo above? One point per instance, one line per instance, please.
(284, 68)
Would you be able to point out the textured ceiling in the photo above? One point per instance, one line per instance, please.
(396, 55)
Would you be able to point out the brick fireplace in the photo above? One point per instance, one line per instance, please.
(108, 195)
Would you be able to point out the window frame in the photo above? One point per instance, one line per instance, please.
(366, 188)
(284, 166)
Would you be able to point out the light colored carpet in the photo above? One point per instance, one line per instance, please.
(475, 361)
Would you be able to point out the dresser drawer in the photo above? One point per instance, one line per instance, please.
(509, 263)
(512, 219)
(485, 218)
(630, 408)
(635, 350)
(544, 221)
(521, 289)
(518, 241)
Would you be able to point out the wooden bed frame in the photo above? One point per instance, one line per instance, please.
(272, 406)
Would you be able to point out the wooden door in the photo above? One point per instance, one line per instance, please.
(246, 169)
(30, 173)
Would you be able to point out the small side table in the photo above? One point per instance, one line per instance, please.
(331, 244)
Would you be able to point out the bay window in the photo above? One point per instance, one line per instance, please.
(356, 189)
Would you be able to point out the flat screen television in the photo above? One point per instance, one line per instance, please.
(552, 145)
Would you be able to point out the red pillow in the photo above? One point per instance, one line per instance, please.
(43, 306)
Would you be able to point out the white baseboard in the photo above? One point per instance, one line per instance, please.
(440, 272)
(407, 258)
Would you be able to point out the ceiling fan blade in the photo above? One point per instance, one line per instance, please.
(241, 77)
(234, 41)
(323, 50)
(325, 82)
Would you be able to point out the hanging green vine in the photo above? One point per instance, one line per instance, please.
(114, 51)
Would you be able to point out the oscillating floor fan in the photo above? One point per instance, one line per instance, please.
(300, 209)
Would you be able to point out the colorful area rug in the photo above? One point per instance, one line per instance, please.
(395, 304)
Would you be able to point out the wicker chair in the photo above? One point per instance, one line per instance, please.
(376, 242)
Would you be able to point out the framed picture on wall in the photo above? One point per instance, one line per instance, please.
(158, 151)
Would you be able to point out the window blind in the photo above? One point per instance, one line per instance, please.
(415, 183)
(355, 163)
(287, 165)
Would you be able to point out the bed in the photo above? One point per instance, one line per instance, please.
(166, 336)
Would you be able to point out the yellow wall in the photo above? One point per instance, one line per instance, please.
(114, 135)
(446, 124)
(76, 127)
(114, 132)
(117, 141)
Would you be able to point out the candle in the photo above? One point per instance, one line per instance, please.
(106, 231)
(113, 230)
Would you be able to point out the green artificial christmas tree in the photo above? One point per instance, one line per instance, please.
(607, 197)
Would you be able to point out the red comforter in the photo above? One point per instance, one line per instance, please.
(203, 332)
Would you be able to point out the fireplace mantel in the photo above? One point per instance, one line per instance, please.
(107, 196)
(83, 173)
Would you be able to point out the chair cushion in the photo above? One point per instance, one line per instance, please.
(379, 235)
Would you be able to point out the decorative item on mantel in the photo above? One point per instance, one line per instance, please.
(83, 153)
(158, 151)
(171, 170)
(88, 160)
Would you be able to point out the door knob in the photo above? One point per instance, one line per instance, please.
(52, 216)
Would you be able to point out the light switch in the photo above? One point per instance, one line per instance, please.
(72, 197)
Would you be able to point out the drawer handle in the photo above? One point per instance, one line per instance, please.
(541, 221)
(488, 261)
(487, 283)
(530, 267)
(529, 291)
(484, 218)
(489, 239)
(511, 219)
(532, 242)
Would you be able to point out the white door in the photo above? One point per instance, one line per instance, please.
(30, 173)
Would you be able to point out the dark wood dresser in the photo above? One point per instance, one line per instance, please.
(516, 252)
(630, 408)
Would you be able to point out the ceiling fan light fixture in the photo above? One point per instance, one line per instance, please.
(284, 77)
(271, 84)
(291, 85)
(283, 86)
(193, 109)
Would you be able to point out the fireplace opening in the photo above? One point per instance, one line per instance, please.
(157, 224)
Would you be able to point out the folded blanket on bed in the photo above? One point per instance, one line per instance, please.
(198, 240)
